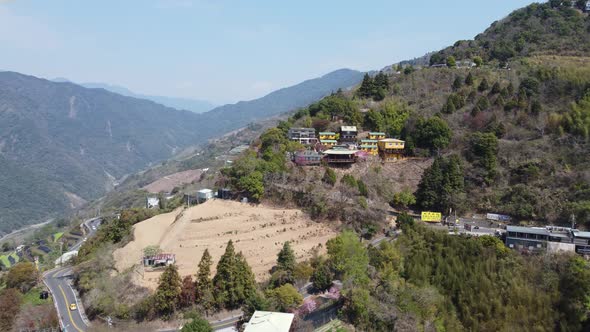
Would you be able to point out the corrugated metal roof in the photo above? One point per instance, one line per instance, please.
(369, 141)
(528, 230)
(368, 147)
(376, 133)
(391, 140)
(328, 141)
(327, 133)
(266, 321)
(340, 152)
(348, 128)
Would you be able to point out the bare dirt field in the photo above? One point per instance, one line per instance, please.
(168, 182)
(257, 231)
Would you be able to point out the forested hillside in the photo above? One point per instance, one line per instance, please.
(69, 143)
(513, 130)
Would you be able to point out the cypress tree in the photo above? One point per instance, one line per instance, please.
(168, 292)
(204, 286)
(367, 87)
(187, 293)
(496, 88)
(483, 86)
(234, 281)
(458, 83)
(469, 79)
(286, 259)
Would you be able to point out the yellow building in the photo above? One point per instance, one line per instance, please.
(327, 135)
(369, 146)
(376, 135)
(370, 149)
(328, 142)
(391, 149)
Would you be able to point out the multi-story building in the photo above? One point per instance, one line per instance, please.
(305, 136)
(328, 142)
(550, 238)
(324, 135)
(391, 149)
(348, 133)
(307, 157)
(369, 146)
(376, 135)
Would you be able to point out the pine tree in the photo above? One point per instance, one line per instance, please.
(234, 281)
(483, 86)
(286, 261)
(367, 87)
(469, 79)
(168, 291)
(457, 83)
(382, 81)
(203, 284)
(496, 88)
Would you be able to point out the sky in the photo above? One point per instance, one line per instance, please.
(226, 51)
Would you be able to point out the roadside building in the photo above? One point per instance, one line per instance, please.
(339, 155)
(305, 136)
(581, 242)
(327, 135)
(391, 149)
(204, 195)
(159, 260)
(348, 133)
(550, 238)
(266, 321)
(376, 135)
(307, 157)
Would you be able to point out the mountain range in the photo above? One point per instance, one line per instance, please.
(62, 144)
(193, 105)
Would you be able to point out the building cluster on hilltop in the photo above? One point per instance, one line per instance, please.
(344, 147)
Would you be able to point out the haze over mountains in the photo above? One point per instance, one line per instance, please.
(193, 105)
(62, 144)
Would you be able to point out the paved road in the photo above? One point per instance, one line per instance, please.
(58, 282)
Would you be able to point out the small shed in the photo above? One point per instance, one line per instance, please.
(159, 260)
(266, 321)
(204, 194)
(224, 193)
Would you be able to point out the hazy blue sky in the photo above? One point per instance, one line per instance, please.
(225, 51)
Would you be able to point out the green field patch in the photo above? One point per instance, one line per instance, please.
(32, 297)
(57, 236)
(4, 261)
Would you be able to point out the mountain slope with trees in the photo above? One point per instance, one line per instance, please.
(62, 144)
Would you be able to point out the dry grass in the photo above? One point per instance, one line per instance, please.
(257, 231)
(168, 182)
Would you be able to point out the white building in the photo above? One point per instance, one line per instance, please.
(204, 194)
(266, 321)
(152, 202)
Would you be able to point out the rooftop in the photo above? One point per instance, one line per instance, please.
(348, 128)
(369, 141)
(266, 321)
(327, 133)
(205, 191)
(328, 141)
(340, 152)
(302, 129)
(376, 133)
(391, 140)
(549, 230)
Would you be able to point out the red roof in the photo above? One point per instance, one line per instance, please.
(162, 257)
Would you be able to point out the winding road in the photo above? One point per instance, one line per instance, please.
(59, 282)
